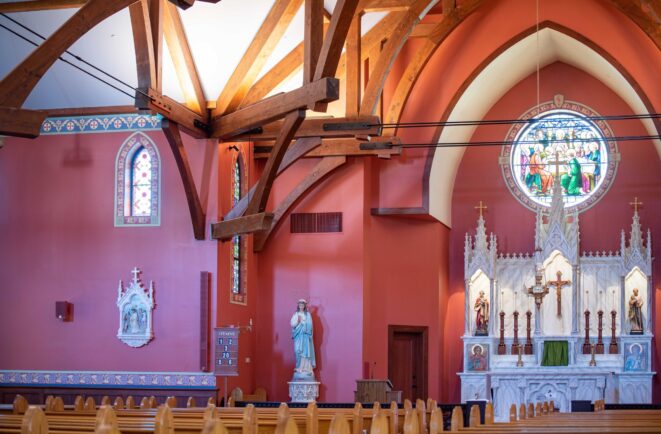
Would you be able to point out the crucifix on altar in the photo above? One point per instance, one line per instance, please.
(559, 283)
(538, 291)
(635, 204)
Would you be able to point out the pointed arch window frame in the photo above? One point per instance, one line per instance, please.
(240, 297)
(124, 182)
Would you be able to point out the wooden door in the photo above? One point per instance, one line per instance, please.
(407, 360)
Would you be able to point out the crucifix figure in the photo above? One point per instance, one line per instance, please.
(481, 207)
(538, 291)
(559, 283)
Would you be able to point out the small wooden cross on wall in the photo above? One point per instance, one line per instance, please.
(559, 283)
(481, 207)
(636, 205)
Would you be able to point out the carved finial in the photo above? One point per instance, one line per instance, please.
(481, 207)
(136, 271)
(636, 204)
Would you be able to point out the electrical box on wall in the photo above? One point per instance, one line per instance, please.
(64, 311)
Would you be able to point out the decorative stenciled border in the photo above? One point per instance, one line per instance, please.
(107, 379)
(559, 103)
(100, 124)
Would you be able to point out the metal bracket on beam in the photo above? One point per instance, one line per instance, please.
(373, 146)
(346, 126)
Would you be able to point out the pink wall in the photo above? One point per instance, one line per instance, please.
(480, 178)
(58, 242)
(326, 269)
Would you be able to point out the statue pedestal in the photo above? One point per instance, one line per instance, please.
(303, 391)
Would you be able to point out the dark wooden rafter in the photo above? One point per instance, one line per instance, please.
(324, 168)
(21, 123)
(254, 218)
(156, 8)
(259, 199)
(275, 107)
(17, 85)
(143, 43)
(195, 124)
(40, 5)
(353, 62)
(252, 62)
(383, 147)
(198, 218)
(391, 49)
(451, 19)
(319, 127)
(184, 65)
(313, 37)
(367, 6)
(295, 151)
(645, 13)
(331, 49)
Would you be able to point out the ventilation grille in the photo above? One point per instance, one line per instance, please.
(316, 222)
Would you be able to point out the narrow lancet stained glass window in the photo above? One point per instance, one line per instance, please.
(141, 183)
(236, 239)
(564, 146)
(137, 182)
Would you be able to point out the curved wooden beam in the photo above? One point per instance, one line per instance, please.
(396, 40)
(645, 13)
(198, 218)
(184, 65)
(318, 174)
(17, 85)
(413, 70)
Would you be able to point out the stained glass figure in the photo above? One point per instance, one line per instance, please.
(561, 146)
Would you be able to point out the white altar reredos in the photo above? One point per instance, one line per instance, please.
(597, 282)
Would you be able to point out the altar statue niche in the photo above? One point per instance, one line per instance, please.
(635, 292)
(480, 304)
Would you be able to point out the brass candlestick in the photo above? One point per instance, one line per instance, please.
(593, 361)
(612, 348)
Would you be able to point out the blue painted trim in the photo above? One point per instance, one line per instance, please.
(100, 124)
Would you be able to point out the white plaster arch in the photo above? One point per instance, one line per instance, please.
(499, 76)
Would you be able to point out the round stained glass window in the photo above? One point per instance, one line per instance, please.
(567, 145)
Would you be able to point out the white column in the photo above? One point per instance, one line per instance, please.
(575, 311)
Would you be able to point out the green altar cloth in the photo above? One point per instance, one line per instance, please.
(556, 353)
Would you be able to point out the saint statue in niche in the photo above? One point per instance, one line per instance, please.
(636, 313)
(301, 333)
(481, 308)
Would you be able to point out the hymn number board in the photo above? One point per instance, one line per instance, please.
(226, 359)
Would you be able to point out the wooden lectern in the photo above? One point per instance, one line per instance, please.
(376, 391)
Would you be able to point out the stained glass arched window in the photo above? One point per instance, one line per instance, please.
(569, 145)
(137, 182)
(238, 273)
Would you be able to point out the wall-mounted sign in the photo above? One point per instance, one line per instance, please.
(226, 351)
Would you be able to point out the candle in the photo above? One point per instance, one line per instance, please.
(613, 299)
(586, 299)
(516, 293)
(599, 302)
(501, 300)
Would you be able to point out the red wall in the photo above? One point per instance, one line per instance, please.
(58, 242)
(479, 178)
